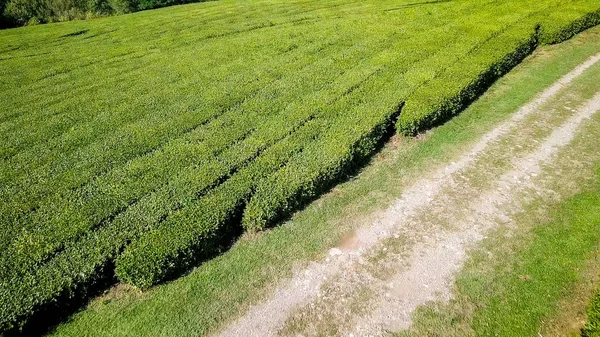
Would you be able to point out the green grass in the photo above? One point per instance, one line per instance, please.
(526, 282)
(551, 263)
(531, 278)
(592, 327)
(140, 145)
(220, 289)
(525, 287)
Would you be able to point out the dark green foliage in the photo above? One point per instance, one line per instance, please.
(149, 4)
(22, 12)
(2, 5)
(102, 6)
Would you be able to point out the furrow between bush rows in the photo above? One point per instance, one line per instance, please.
(73, 270)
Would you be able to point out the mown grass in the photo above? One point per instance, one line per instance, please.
(547, 269)
(592, 327)
(219, 290)
(534, 277)
(525, 289)
(140, 145)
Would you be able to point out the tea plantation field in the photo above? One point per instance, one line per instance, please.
(138, 146)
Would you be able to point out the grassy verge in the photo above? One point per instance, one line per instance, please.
(534, 278)
(221, 289)
(520, 292)
(592, 327)
(544, 272)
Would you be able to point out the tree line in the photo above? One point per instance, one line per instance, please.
(14, 13)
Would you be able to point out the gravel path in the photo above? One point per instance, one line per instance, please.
(408, 255)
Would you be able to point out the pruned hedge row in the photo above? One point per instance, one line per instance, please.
(56, 177)
(47, 230)
(196, 232)
(558, 26)
(69, 271)
(447, 94)
(318, 167)
(66, 216)
(183, 190)
(457, 86)
(159, 255)
(249, 158)
(75, 268)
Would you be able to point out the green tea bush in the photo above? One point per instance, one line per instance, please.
(459, 85)
(336, 153)
(138, 146)
(451, 91)
(558, 26)
(196, 232)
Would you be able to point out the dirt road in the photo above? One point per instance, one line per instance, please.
(408, 255)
